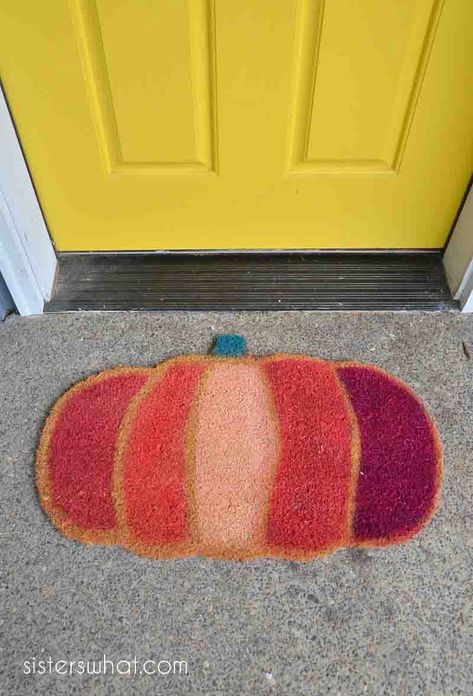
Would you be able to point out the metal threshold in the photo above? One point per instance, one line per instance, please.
(366, 280)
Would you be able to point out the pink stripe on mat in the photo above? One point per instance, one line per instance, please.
(399, 458)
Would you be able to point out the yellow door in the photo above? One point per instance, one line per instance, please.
(212, 124)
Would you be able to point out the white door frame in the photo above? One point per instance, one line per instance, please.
(27, 257)
(458, 257)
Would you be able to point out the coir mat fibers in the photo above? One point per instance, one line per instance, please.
(237, 457)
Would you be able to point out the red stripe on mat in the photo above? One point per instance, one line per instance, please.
(82, 449)
(309, 505)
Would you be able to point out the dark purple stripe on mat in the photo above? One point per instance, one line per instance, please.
(397, 480)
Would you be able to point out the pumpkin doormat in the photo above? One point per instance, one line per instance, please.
(236, 457)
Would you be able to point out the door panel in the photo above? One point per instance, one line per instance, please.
(212, 124)
(163, 121)
(357, 81)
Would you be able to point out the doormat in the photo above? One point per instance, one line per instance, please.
(235, 457)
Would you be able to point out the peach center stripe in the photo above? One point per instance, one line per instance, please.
(236, 446)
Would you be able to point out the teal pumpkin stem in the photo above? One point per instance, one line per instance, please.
(229, 345)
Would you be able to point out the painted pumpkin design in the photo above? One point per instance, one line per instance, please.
(232, 456)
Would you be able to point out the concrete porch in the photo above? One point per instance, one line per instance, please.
(392, 621)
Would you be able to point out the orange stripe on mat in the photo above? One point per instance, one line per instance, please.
(155, 505)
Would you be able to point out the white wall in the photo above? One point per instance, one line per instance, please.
(458, 257)
(27, 258)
